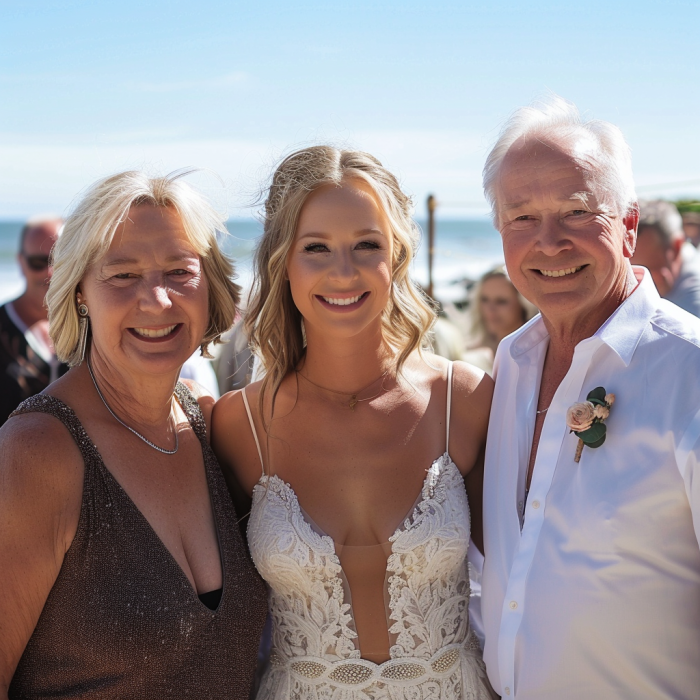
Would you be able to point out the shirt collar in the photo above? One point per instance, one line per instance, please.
(621, 332)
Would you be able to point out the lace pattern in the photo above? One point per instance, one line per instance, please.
(315, 655)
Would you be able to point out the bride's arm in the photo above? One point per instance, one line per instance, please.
(472, 391)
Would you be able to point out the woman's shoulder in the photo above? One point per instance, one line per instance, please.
(466, 378)
(40, 461)
(232, 403)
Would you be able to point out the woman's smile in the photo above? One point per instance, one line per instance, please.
(342, 304)
(156, 335)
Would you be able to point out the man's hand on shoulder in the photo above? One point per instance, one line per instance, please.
(205, 400)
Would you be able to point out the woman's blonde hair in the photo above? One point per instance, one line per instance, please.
(91, 227)
(477, 333)
(273, 322)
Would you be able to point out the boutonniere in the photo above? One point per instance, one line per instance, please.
(587, 419)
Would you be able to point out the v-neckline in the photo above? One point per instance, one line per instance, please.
(432, 478)
(430, 481)
(130, 502)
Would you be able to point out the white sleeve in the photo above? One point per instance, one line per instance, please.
(476, 567)
(688, 460)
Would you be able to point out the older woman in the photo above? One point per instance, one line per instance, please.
(124, 573)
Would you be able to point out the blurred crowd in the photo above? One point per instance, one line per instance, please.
(468, 329)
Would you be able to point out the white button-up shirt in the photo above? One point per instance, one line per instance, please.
(591, 587)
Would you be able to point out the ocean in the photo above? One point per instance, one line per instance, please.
(464, 249)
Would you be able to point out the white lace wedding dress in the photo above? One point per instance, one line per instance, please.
(314, 643)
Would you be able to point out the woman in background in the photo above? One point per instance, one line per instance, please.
(496, 310)
(124, 574)
(365, 553)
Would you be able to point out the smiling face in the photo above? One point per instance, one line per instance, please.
(148, 296)
(339, 266)
(565, 249)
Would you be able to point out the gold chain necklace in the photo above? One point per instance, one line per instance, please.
(353, 395)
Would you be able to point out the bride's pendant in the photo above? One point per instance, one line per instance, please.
(353, 402)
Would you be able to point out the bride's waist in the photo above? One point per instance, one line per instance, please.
(356, 672)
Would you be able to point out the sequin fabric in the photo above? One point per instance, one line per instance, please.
(122, 620)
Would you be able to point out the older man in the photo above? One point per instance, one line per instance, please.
(27, 360)
(662, 248)
(591, 586)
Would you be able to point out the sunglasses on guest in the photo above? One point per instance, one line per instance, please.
(36, 262)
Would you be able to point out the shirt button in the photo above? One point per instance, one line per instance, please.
(535, 504)
(507, 690)
(513, 605)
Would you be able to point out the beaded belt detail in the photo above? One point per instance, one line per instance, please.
(356, 673)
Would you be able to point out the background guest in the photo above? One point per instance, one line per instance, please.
(691, 226)
(662, 248)
(496, 310)
(27, 359)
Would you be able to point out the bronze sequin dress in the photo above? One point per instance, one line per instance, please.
(122, 620)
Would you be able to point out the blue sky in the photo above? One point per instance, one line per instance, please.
(88, 88)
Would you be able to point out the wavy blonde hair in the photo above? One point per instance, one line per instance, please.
(90, 229)
(273, 322)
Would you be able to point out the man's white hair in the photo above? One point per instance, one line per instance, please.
(553, 119)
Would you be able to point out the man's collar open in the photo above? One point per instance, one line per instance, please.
(621, 332)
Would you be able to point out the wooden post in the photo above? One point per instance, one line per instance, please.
(432, 205)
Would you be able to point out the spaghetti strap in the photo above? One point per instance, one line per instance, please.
(449, 406)
(252, 427)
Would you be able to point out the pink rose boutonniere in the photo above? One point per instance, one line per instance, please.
(586, 419)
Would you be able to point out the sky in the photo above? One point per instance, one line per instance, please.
(91, 88)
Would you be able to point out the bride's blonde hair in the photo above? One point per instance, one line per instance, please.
(273, 322)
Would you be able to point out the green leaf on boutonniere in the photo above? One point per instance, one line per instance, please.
(594, 436)
(597, 396)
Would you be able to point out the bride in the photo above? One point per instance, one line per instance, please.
(359, 449)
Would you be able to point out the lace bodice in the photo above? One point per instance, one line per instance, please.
(315, 653)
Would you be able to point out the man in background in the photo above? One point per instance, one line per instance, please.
(662, 248)
(691, 226)
(27, 360)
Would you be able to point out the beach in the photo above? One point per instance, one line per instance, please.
(464, 249)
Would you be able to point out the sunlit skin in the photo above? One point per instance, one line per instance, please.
(342, 250)
(500, 308)
(356, 495)
(662, 261)
(150, 279)
(552, 221)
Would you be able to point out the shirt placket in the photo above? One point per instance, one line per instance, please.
(548, 452)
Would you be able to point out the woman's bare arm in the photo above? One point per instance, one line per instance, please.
(471, 405)
(41, 480)
(234, 446)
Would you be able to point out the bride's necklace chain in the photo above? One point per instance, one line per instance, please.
(119, 420)
(353, 395)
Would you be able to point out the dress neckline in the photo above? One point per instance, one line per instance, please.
(425, 495)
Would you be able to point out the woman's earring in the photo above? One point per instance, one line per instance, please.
(83, 333)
